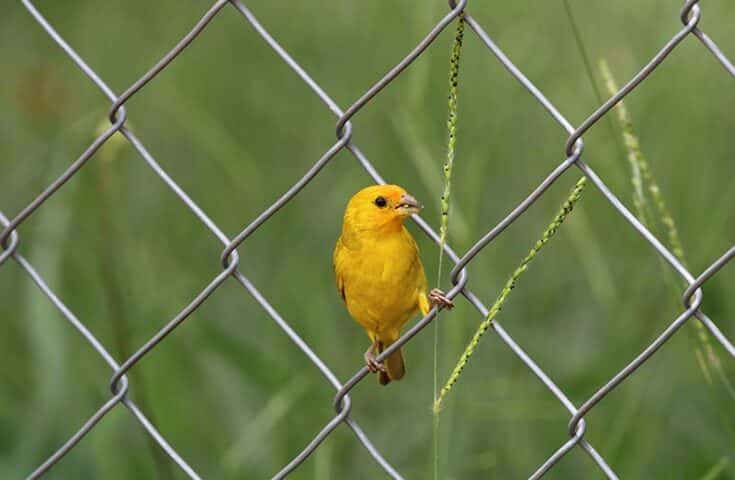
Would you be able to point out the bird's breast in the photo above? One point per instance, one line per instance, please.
(381, 285)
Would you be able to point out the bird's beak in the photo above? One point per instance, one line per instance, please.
(408, 205)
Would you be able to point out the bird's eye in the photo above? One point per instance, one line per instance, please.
(380, 202)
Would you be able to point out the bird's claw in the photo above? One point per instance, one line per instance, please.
(372, 365)
(437, 297)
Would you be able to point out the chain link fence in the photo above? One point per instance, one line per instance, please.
(692, 297)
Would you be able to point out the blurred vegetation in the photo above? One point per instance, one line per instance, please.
(235, 128)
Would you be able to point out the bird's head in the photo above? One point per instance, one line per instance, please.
(380, 207)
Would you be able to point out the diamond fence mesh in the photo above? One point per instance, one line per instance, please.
(692, 297)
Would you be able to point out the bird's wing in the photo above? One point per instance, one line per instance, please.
(424, 304)
(422, 289)
(339, 251)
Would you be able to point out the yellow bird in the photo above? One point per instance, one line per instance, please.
(379, 273)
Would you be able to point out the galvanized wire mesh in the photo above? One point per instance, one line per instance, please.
(692, 297)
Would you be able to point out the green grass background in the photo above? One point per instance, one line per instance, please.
(235, 128)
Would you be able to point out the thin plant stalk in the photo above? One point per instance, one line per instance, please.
(497, 306)
(645, 185)
(445, 198)
(577, 32)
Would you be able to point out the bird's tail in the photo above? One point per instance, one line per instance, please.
(394, 365)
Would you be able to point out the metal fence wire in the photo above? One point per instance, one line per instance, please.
(692, 297)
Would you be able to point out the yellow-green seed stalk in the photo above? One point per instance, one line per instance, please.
(452, 129)
(644, 183)
(566, 208)
(448, 166)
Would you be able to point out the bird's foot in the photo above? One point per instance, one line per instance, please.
(371, 364)
(437, 297)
